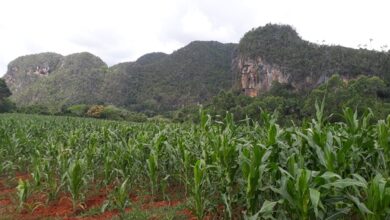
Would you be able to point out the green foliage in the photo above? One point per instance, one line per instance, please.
(198, 194)
(23, 191)
(249, 170)
(282, 46)
(4, 90)
(5, 104)
(156, 83)
(119, 199)
(35, 109)
(360, 94)
(78, 110)
(75, 181)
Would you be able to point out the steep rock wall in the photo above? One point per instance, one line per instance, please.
(256, 75)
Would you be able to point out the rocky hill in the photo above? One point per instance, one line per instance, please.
(53, 80)
(156, 82)
(159, 82)
(278, 53)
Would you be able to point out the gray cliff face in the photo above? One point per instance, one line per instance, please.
(256, 75)
(26, 70)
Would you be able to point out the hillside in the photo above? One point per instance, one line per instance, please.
(278, 53)
(155, 82)
(158, 83)
(53, 80)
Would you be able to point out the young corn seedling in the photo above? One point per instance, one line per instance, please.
(23, 191)
(76, 181)
(152, 163)
(197, 190)
(378, 199)
(120, 198)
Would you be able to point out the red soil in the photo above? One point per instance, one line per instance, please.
(95, 201)
(22, 176)
(160, 204)
(5, 202)
(6, 191)
(63, 208)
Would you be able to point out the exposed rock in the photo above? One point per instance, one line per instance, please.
(25, 70)
(278, 53)
(256, 75)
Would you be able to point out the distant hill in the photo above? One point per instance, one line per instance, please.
(159, 82)
(53, 80)
(156, 82)
(278, 53)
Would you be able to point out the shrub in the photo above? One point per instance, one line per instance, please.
(78, 110)
(95, 111)
(112, 112)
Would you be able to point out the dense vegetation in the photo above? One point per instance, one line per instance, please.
(75, 79)
(158, 83)
(5, 104)
(155, 83)
(319, 170)
(280, 45)
(359, 94)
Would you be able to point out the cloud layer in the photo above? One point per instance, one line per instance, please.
(123, 30)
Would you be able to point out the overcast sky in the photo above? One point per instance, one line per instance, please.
(123, 30)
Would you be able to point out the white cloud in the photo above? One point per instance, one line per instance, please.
(123, 30)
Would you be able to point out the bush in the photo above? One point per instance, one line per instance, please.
(35, 109)
(135, 117)
(112, 112)
(95, 111)
(78, 110)
(7, 106)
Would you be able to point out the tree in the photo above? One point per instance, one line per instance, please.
(5, 104)
(4, 90)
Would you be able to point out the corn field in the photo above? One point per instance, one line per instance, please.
(251, 170)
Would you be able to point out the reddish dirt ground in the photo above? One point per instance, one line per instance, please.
(63, 208)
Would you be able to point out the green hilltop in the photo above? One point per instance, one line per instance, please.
(281, 69)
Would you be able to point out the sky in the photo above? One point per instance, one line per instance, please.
(123, 30)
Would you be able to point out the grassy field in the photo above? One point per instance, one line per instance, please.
(74, 168)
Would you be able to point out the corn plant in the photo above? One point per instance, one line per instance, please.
(76, 180)
(197, 190)
(23, 191)
(377, 199)
(152, 163)
(249, 169)
(253, 166)
(119, 198)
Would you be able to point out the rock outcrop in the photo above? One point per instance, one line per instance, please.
(25, 70)
(256, 75)
(278, 53)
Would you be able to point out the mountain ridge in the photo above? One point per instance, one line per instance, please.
(158, 82)
(66, 83)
